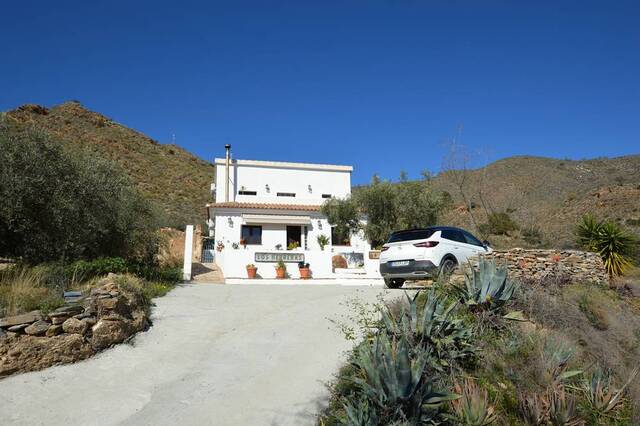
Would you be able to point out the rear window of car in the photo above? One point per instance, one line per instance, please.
(453, 235)
(415, 234)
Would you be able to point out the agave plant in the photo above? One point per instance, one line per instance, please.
(359, 413)
(395, 383)
(473, 407)
(432, 326)
(562, 408)
(614, 245)
(555, 359)
(486, 287)
(600, 392)
(533, 409)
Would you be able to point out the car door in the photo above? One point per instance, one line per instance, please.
(473, 244)
(455, 244)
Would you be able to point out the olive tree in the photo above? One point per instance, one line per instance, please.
(58, 204)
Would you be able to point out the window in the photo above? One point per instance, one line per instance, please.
(338, 239)
(294, 237)
(414, 234)
(453, 235)
(472, 240)
(247, 193)
(326, 195)
(286, 194)
(251, 234)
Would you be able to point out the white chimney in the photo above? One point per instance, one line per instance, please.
(227, 147)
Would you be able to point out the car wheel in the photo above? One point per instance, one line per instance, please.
(447, 267)
(394, 283)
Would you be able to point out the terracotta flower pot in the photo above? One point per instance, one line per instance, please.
(305, 273)
(251, 272)
(280, 272)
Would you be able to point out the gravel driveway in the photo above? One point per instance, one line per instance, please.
(223, 355)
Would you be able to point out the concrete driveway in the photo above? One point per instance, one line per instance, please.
(216, 354)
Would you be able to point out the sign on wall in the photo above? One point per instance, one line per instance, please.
(374, 254)
(276, 257)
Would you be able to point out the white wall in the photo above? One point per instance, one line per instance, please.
(234, 263)
(281, 179)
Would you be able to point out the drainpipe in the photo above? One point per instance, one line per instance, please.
(227, 147)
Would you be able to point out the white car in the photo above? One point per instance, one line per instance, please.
(426, 253)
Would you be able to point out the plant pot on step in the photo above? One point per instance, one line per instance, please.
(281, 270)
(305, 272)
(251, 271)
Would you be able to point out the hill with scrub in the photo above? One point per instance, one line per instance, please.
(174, 179)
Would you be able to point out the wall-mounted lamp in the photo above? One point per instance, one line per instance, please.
(230, 222)
(266, 187)
(319, 224)
(310, 190)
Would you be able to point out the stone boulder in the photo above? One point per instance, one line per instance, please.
(38, 328)
(74, 326)
(109, 332)
(27, 318)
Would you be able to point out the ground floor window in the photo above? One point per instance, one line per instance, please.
(294, 237)
(251, 234)
(339, 239)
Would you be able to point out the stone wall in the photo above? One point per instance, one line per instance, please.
(109, 313)
(578, 265)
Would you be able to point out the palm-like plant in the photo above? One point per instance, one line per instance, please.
(614, 245)
(487, 287)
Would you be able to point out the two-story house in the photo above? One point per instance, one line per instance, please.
(265, 211)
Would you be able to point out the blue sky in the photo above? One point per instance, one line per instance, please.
(380, 85)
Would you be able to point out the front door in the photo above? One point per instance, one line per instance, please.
(294, 236)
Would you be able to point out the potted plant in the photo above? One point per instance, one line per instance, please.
(323, 241)
(281, 269)
(293, 245)
(305, 272)
(243, 243)
(251, 270)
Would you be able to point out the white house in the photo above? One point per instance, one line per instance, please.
(265, 211)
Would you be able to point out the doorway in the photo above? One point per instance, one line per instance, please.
(294, 236)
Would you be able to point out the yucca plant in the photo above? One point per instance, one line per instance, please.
(600, 393)
(473, 407)
(614, 245)
(395, 383)
(432, 326)
(487, 287)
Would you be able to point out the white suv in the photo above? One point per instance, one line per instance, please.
(426, 253)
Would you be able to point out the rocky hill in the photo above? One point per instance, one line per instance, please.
(547, 196)
(173, 178)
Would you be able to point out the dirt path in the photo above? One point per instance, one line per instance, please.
(223, 355)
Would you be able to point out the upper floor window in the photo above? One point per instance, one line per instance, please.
(326, 195)
(286, 194)
(243, 192)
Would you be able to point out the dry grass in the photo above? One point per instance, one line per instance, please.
(23, 289)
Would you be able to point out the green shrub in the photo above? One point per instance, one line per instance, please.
(532, 235)
(615, 245)
(59, 205)
(498, 224)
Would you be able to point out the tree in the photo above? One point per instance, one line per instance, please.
(343, 214)
(58, 204)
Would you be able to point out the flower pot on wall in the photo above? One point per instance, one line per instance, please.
(280, 273)
(251, 272)
(305, 273)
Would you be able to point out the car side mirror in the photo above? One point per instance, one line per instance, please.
(486, 244)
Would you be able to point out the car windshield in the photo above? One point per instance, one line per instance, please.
(414, 234)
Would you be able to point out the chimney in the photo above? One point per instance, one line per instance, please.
(227, 147)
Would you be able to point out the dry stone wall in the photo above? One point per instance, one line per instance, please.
(110, 313)
(580, 266)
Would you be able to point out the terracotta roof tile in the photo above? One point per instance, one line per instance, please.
(267, 206)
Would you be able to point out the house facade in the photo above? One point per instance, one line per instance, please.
(265, 211)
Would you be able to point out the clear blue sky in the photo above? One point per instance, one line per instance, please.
(376, 84)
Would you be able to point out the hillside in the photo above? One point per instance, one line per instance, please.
(173, 178)
(548, 195)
